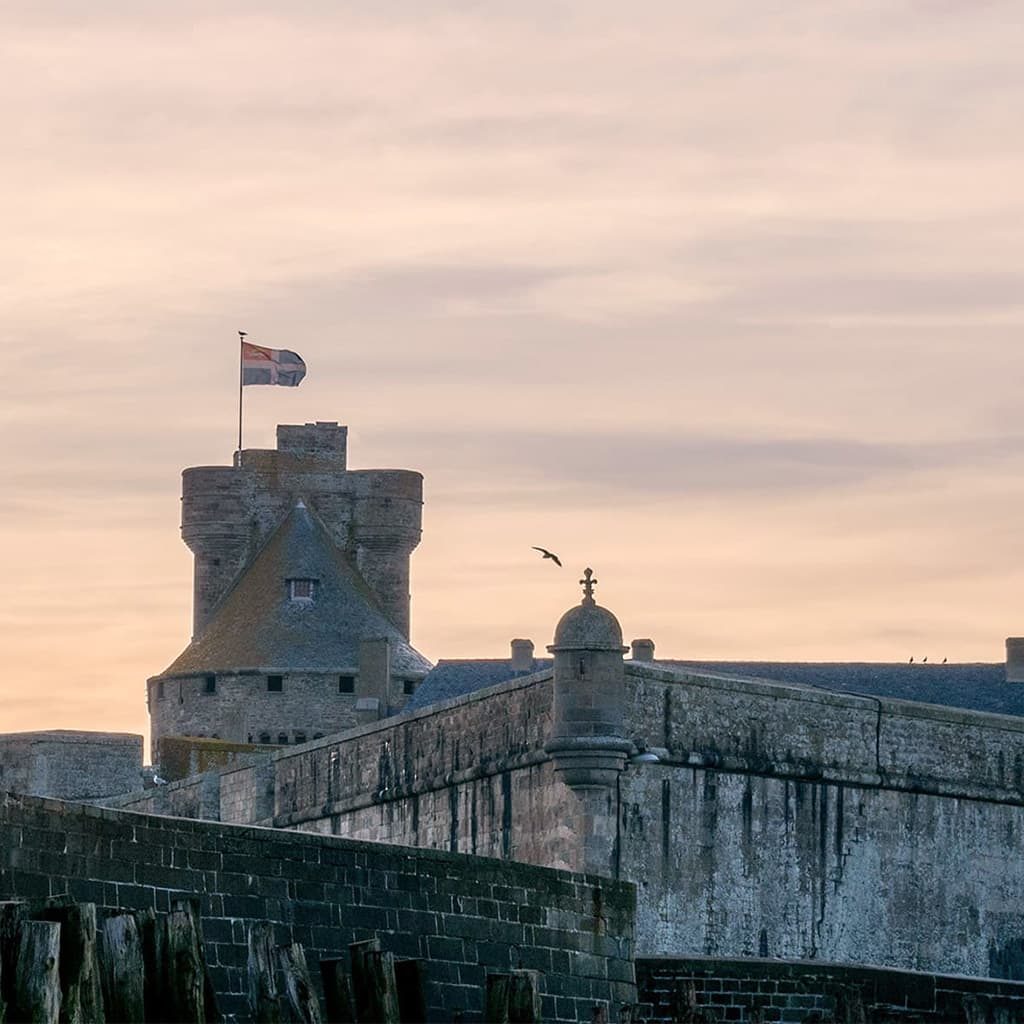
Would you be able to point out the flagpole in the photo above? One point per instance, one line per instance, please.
(241, 377)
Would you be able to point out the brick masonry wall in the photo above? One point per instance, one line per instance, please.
(464, 915)
(766, 991)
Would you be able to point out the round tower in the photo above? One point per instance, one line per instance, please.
(215, 514)
(588, 742)
(386, 520)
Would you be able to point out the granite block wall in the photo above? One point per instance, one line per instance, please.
(464, 916)
(779, 821)
(813, 825)
(241, 708)
(772, 992)
(468, 776)
(70, 764)
(799, 732)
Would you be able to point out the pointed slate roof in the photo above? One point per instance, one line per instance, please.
(256, 626)
(452, 677)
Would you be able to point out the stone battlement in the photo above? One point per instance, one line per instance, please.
(374, 516)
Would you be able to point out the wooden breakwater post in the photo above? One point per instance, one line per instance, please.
(412, 999)
(279, 985)
(190, 906)
(122, 970)
(338, 1002)
(373, 983)
(37, 974)
(382, 990)
(80, 984)
(298, 985)
(12, 913)
(512, 998)
(152, 928)
(58, 962)
(261, 969)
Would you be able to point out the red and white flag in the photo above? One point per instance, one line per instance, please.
(271, 366)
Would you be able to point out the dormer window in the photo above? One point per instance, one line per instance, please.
(302, 589)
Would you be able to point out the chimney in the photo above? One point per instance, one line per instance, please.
(522, 655)
(1015, 659)
(375, 672)
(643, 650)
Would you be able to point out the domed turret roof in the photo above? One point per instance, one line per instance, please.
(588, 626)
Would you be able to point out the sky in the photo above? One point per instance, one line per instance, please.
(724, 300)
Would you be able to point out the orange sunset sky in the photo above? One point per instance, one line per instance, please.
(723, 299)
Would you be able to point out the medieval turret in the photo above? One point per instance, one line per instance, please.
(587, 741)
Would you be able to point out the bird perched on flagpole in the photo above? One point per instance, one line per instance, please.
(547, 554)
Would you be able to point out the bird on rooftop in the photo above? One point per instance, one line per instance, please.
(547, 554)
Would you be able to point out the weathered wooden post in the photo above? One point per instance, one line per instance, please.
(37, 973)
(298, 986)
(412, 1000)
(373, 983)
(190, 905)
(264, 1001)
(338, 1006)
(152, 929)
(496, 999)
(81, 991)
(512, 998)
(122, 970)
(185, 969)
(12, 913)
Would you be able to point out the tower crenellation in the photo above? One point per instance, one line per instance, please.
(374, 516)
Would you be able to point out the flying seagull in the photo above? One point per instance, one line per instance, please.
(911, 662)
(547, 554)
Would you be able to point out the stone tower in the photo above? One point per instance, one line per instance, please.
(301, 595)
(373, 515)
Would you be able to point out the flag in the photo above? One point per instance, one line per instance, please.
(271, 366)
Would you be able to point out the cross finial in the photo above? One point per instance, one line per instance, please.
(588, 583)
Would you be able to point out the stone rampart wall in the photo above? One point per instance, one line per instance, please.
(780, 820)
(768, 991)
(773, 729)
(467, 776)
(814, 825)
(70, 765)
(464, 916)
